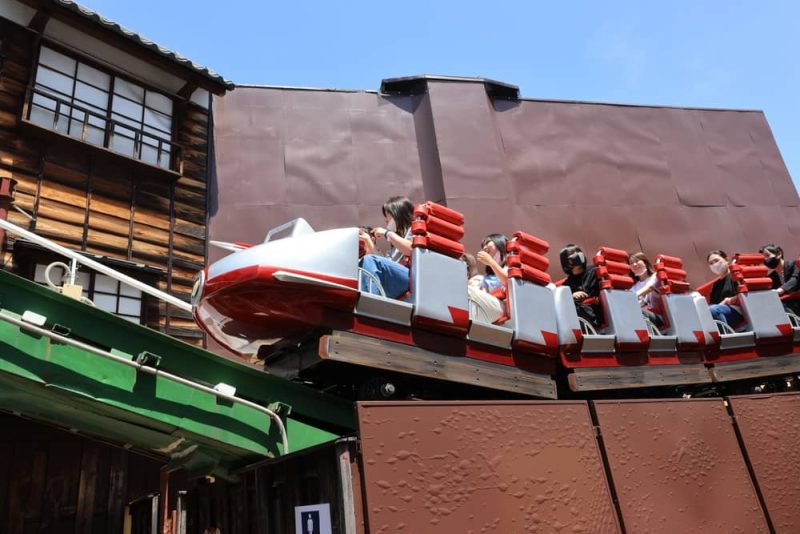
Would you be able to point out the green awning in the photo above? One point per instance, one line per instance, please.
(75, 372)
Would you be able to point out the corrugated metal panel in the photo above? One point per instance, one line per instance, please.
(499, 467)
(770, 429)
(677, 467)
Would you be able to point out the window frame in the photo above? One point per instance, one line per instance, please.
(146, 136)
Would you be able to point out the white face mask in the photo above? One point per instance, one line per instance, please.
(496, 256)
(391, 226)
(639, 271)
(718, 268)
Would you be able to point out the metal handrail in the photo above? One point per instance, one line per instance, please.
(99, 267)
(651, 326)
(586, 327)
(373, 280)
(111, 128)
(151, 371)
(723, 327)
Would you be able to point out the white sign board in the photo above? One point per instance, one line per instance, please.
(312, 519)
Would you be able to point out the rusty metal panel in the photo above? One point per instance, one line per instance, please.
(483, 467)
(677, 467)
(770, 429)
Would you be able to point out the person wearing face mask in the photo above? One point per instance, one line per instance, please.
(391, 270)
(645, 286)
(785, 276)
(723, 292)
(486, 291)
(582, 281)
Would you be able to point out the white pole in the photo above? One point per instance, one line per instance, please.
(99, 267)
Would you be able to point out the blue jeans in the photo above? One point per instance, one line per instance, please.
(392, 276)
(726, 314)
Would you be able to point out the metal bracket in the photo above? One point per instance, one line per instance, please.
(148, 358)
(61, 330)
(280, 408)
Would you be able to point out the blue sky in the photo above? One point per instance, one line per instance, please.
(732, 54)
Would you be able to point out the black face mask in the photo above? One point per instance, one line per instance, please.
(772, 262)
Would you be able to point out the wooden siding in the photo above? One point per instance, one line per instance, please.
(101, 205)
(264, 498)
(53, 481)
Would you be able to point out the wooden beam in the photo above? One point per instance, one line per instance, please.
(381, 354)
(39, 20)
(604, 378)
(756, 368)
(187, 90)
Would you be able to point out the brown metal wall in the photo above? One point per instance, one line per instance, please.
(677, 467)
(674, 466)
(665, 180)
(770, 428)
(483, 467)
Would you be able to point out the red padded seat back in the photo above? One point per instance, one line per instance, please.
(525, 258)
(613, 271)
(749, 273)
(438, 228)
(670, 275)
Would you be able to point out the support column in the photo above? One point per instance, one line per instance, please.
(7, 186)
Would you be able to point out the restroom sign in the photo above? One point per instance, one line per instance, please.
(312, 519)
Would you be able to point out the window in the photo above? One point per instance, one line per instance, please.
(78, 100)
(107, 293)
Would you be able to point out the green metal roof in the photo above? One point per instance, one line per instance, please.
(58, 375)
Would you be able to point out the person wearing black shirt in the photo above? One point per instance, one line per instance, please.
(582, 281)
(723, 292)
(785, 276)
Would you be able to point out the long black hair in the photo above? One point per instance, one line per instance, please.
(402, 211)
(500, 242)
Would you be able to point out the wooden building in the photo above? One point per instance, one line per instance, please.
(107, 138)
(104, 148)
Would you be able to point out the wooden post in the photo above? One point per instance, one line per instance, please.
(164, 489)
(7, 186)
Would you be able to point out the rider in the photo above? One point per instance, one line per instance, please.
(645, 286)
(485, 290)
(582, 280)
(391, 270)
(723, 292)
(785, 276)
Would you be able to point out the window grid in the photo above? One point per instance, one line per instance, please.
(134, 120)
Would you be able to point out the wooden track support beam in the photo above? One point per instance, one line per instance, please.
(390, 356)
(604, 378)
